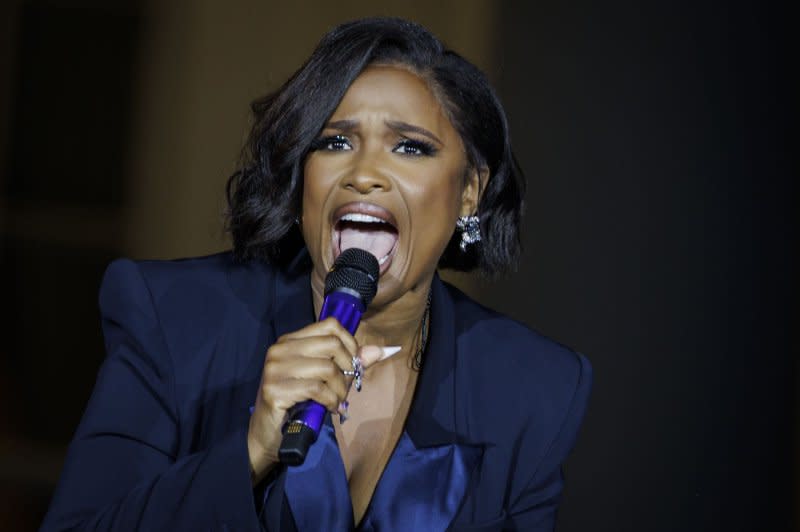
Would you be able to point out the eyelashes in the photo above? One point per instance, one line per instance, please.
(406, 146)
(415, 147)
(331, 143)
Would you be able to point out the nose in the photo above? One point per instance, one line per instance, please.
(366, 177)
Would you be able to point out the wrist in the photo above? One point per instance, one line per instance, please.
(259, 460)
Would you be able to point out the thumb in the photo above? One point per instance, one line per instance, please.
(370, 354)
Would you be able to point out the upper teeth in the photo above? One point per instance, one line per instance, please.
(359, 217)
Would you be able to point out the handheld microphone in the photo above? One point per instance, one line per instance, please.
(349, 288)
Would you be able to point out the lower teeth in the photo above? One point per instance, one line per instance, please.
(384, 259)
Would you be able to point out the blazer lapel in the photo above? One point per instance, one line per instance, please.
(317, 490)
(429, 473)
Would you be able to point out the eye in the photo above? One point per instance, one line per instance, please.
(331, 143)
(415, 148)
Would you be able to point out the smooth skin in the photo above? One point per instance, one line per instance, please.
(389, 143)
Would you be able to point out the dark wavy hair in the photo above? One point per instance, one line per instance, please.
(265, 192)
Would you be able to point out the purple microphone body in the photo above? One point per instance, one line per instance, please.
(349, 288)
(347, 309)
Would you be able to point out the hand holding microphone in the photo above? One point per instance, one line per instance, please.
(304, 372)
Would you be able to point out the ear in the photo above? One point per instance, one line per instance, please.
(474, 185)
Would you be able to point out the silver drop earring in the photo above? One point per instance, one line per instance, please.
(470, 230)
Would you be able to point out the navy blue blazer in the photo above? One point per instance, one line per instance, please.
(162, 444)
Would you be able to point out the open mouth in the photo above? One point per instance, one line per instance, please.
(368, 227)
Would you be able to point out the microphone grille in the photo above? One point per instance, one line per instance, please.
(357, 270)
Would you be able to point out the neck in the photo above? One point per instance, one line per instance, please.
(394, 323)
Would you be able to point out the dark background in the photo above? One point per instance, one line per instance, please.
(659, 241)
(662, 244)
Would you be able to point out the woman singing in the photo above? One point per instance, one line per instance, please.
(384, 141)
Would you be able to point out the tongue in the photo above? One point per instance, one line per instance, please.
(376, 241)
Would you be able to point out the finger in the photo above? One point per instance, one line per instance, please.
(324, 347)
(326, 327)
(370, 354)
(285, 394)
(304, 368)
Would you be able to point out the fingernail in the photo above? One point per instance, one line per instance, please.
(389, 351)
(343, 411)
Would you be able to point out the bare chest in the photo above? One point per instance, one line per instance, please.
(367, 440)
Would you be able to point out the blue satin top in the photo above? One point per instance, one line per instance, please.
(420, 489)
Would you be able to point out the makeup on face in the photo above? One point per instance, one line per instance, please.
(386, 174)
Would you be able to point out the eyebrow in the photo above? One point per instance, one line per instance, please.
(396, 125)
(342, 125)
(404, 127)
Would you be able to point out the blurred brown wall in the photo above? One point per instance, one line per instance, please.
(119, 125)
(201, 63)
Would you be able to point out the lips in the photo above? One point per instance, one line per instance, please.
(366, 226)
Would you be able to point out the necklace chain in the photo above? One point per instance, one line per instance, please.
(423, 335)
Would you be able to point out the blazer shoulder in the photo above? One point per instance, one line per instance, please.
(487, 336)
(510, 363)
(184, 278)
(187, 315)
